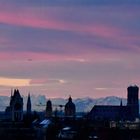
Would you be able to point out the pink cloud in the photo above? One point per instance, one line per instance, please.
(95, 56)
(43, 81)
(38, 81)
(31, 18)
(3, 40)
(34, 17)
(30, 56)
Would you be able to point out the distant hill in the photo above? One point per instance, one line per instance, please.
(82, 104)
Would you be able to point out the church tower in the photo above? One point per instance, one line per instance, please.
(29, 105)
(133, 100)
(49, 109)
(70, 108)
(16, 106)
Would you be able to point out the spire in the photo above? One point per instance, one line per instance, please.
(29, 104)
(11, 96)
(16, 93)
(29, 99)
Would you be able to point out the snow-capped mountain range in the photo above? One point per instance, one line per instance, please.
(82, 104)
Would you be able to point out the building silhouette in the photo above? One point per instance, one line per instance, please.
(29, 106)
(49, 109)
(15, 110)
(111, 112)
(70, 108)
(133, 100)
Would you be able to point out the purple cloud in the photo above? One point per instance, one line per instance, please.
(88, 45)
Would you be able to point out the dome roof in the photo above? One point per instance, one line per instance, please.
(70, 104)
(49, 103)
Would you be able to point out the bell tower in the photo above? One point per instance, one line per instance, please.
(133, 100)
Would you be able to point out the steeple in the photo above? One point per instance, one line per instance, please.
(29, 104)
(11, 96)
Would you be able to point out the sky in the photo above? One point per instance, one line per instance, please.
(57, 48)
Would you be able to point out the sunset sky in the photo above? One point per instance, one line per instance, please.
(69, 47)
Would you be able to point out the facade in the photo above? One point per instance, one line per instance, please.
(128, 112)
(15, 109)
(70, 108)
